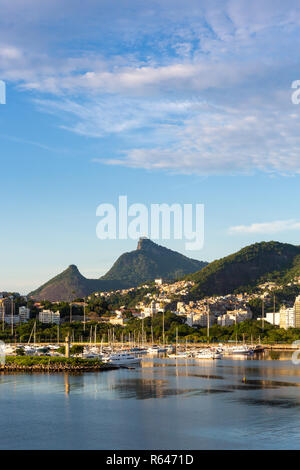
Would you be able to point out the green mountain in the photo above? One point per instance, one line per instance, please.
(147, 262)
(248, 267)
(150, 261)
(69, 285)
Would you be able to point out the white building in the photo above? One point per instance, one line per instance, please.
(118, 321)
(24, 314)
(199, 319)
(47, 316)
(181, 307)
(287, 318)
(273, 318)
(234, 316)
(226, 320)
(154, 307)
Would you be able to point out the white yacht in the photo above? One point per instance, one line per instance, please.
(122, 359)
(208, 354)
(243, 349)
(29, 350)
(92, 352)
(156, 349)
(179, 355)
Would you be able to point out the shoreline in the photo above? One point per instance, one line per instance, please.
(54, 368)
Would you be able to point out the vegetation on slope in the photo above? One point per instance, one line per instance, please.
(150, 261)
(247, 267)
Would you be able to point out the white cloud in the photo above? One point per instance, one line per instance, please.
(266, 227)
(214, 140)
(200, 87)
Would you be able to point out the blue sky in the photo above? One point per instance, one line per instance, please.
(165, 102)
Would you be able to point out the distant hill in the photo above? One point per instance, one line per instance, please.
(150, 261)
(71, 284)
(247, 267)
(147, 262)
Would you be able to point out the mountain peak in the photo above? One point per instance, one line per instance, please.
(150, 261)
(73, 268)
(144, 243)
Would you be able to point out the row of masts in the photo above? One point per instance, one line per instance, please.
(140, 338)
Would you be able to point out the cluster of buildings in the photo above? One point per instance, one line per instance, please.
(286, 317)
(163, 288)
(11, 314)
(222, 310)
(48, 316)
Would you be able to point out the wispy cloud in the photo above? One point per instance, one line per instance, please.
(265, 227)
(201, 88)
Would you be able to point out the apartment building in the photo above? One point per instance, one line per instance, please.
(47, 316)
(287, 318)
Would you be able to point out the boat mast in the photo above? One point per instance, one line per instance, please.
(84, 314)
(31, 333)
(163, 320)
(3, 316)
(12, 316)
(208, 323)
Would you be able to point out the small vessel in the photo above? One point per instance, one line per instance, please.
(138, 350)
(92, 355)
(9, 349)
(29, 350)
(42, 349)
(122, 359)
(92, 352)
(208, 354)
(53, 346)
(175, 354)
(156, 349)
(179, 355)
(243, 349)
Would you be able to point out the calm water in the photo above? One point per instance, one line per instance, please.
(165, 404)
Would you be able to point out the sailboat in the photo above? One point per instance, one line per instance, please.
(158, 348)
(178, 354)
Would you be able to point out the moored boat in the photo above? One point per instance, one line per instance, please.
(208, 354)
(241, 350)
(122, 359)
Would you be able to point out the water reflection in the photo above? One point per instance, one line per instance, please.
(277, 402)
(181, 404)
(142, 389)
